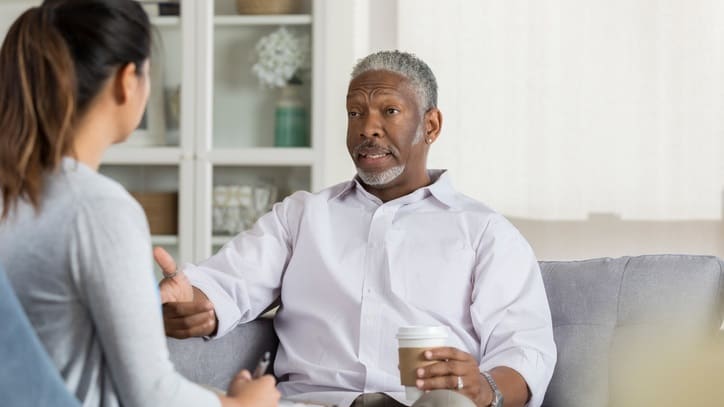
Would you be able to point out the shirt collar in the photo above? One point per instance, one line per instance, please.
(441, 188)
(346, 187)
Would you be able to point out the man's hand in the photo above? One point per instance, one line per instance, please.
(453, 363)
(187, 311)
(175, 286)
(183, 320)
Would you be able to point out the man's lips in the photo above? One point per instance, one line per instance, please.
(374, 155)
(371, 156)
(372, 160)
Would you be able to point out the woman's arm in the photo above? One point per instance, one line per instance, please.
(110, 254)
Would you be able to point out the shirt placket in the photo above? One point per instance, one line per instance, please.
(372, 285)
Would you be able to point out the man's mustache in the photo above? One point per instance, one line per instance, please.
(370, 147)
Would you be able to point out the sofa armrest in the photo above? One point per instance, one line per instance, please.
(214, 362)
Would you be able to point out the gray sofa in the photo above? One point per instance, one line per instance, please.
(596, 304)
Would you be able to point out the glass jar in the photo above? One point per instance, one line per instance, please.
(291, 123)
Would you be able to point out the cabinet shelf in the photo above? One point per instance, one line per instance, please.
(276, 19)
(263, 156)
(119, 155)
(220, 240)
(166, 21)
(164, 240)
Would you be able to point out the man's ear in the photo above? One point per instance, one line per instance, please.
(433, 123)
(125, 82)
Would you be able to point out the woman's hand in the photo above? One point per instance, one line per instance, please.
(247, 392)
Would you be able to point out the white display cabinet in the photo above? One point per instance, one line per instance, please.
(209, 122)
(257, 188)
(235, 119)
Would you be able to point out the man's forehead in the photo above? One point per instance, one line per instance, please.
(377, 90)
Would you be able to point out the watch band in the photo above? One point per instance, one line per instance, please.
(497, 395)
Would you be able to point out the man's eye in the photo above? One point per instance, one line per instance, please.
(392, 110)
(352, 114)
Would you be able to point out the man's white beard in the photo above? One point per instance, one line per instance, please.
(380, 178)
(377, 179)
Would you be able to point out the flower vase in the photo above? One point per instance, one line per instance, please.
(291, 125)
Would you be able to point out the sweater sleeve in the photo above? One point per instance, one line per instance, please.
(111, 262)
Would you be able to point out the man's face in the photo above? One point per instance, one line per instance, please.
(385, 130)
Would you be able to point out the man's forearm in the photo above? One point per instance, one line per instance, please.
(512, 385)
(201, 294)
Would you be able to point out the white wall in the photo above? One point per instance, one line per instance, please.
(340, 22)
(11, 10)
(562, 110)
(556, 109)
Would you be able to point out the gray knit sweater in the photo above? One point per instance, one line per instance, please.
(82, 269)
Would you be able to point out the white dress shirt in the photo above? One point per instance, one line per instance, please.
(351, 270)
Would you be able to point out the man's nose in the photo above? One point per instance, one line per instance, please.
(371, 126)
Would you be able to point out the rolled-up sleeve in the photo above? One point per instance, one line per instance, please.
(510, 309)
(244, 277)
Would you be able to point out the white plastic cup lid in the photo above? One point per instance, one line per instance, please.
(422, 332)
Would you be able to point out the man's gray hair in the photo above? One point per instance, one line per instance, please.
(408, 65)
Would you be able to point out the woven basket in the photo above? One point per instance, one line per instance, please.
(268, 6)
(161, 210)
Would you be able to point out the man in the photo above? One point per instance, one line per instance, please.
(396, 246)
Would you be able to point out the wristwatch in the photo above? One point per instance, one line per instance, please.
(497, 395)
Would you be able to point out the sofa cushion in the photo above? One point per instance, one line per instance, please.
(599, 305)
(215, 362)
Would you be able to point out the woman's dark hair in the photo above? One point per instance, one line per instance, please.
(53, 62)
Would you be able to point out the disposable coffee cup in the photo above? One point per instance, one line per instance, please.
(413, 342)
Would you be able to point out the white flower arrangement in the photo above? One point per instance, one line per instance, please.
(281, 55)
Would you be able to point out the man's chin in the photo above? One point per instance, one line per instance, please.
(380, 179)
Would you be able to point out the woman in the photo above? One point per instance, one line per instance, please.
(73, 81)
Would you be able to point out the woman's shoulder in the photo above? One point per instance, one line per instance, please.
(91, 192)
(81, 181)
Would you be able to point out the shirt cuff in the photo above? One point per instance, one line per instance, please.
(530, 365)
(227, 312)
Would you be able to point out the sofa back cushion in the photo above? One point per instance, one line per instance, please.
(598, 305)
